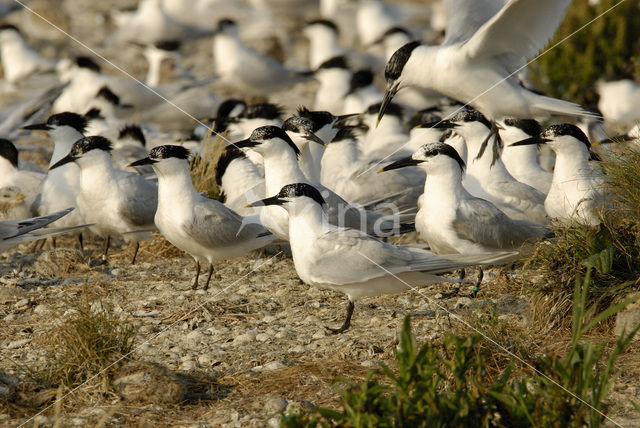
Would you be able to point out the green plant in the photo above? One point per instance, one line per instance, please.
(203, 165)
(447, 385)
(606, 48)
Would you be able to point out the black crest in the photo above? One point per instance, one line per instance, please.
(323, 22)
(263, 111)
(134, 132)
(168, 45)
(446, 135)
(567, 129)
(229, 154)
(335, 62)
(169, 151)
(268, 132)
(393, 109)
(345, 133)
(298, 124)
(10, 27)
(108, 95)
(86, 62)
(360, 79)
(471, 115)
(425, 118)
(77, 122)
(397, 30)
(301, 189)
(9, 152)
(318, 118)
(93, 113)
(398, 60)
(434, 149)
(227, 106)
(86, 144)
(530, 127)
(225, 23)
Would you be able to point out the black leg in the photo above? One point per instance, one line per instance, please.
(135, 253)
(206, 285)
(107, 242)
(53, 243)
(195, 280)
(81, 241)
(476, 287)
(347, 321)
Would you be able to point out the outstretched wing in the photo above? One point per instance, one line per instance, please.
(465, 17)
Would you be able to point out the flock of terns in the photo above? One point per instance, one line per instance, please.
(450, 148)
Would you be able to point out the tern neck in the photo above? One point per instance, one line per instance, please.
(63, 139)
(445, 179)
(174, 184)
(306, 219)
(281, 169)
(323, 45)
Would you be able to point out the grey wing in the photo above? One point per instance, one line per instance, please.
(141, 201)
(13, 228)
(480, 221)
(344, 256)
(465, 17)
(522, 191)
(215, 225)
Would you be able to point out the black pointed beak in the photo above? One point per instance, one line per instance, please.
(245, 143)
(36, 126)
(401, 164)
(341, 120)
(141, 162)
(530, 141)
(274, 200)
(392, 90)
(65, 160)
(313, 137)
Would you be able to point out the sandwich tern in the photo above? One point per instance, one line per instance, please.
(352, 262)
(485, 45)
(202, 227)
(117, 202)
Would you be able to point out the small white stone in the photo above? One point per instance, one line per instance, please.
(275, 405)
(319, 334)
(244, 339)
(262, 337)
(274, 365)
(18, 343)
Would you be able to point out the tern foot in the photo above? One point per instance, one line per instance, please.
(347, 322)
(476, 287)
(195, 280)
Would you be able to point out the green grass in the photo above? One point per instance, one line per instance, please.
(446, 384)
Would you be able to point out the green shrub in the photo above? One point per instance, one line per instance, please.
(446, 384)
(604, 49)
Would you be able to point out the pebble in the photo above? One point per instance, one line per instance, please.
(22, 304)
(275, 405)
(244, 339)
(262, 337)
(463, 302)
(319, 334)
(18, 343)
(41, 309)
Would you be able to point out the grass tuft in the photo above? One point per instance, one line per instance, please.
(203, 165)
(87, 342)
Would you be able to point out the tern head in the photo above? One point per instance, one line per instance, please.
(395, 36)
(231, 107)
(292, 197)
(86, 63)
(469, 122)
(11, 198)
(227, 26)
(530, 127)
(360, 79)
(133, 133)
(393, 74)
(9, 32)
(86, 151)
(432, 157)
(566, 138)
(321, 28)
(300, 129)
(166, 159)
(9, 152)
(335, 63)
(269, 140)
(426, 118)
(60, 126)
(325, 125)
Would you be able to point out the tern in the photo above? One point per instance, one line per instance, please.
(577, 188)
(522, 162)
(352, 262)
(486, 43)
(323, 41)
(244, 69)
(202, 227)
(239, 180)
(118, 202)
(28, 182)
(14, 232)
(60, 187)
(334, 77)
(454, 221)
(12, 205)
(18, 59)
